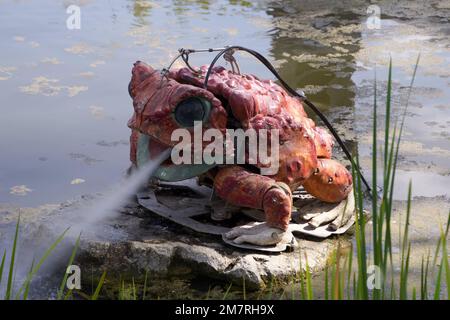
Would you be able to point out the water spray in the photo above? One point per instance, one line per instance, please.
(87, 218)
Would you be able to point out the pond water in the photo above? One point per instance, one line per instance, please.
(64, 103)
(64, 100)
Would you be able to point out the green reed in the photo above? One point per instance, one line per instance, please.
(23, 291)
(381, 255)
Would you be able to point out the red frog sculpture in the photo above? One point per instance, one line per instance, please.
(166, 102)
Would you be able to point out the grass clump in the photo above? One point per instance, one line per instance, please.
(378, 260)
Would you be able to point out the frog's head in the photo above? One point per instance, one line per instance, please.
(163, 105)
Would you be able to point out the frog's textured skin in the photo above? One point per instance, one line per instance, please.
(247, 102)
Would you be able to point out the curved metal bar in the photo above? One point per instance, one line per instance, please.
(185, 57)
(271, 68)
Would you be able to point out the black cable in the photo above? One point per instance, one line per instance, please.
(269, 66)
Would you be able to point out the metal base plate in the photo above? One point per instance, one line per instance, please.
(186, 204)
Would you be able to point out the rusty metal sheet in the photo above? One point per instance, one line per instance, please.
(188, 204)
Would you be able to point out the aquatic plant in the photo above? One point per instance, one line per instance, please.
(355, 283)
(23, 291)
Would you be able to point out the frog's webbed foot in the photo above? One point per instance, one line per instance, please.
(258, 233)
(241, 188)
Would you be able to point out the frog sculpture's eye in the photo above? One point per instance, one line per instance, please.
(190, 110)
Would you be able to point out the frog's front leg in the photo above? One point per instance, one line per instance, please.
(242, 188)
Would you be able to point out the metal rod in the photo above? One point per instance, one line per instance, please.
(183, 50)
(271, 68)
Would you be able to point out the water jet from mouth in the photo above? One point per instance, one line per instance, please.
(107, 206)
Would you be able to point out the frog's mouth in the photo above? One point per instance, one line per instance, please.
(167, 171)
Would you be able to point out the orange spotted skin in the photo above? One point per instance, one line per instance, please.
(332, 182)
(242, 188)
(304, 150)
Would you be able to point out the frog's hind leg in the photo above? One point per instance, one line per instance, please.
(331, 182)
(242, 188)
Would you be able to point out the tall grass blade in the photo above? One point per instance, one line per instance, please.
(374, 182)
(133, 288)
(362, 292)
(271, 289)
(445, 262)
(293, 287)
(337, 277)
(438, 247)
(122, 290)
(342, 280)
(349, 272)
(27, 287)
(406, 248)
(394, 167)
(302, 283)
(11, 263)
(388, 115)
(2, 265)
(437, 287)
(227, 292)
(354, 286)
(386, 212)
(326, 282)
(424, 278)
(309, 289)
(41, 262)
(393, 295)
(404, 276)
(144, 291)
(71, 259)
(68, 294)
(99, 286)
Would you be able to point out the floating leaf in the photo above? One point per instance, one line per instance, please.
(97, 111)
(51, 60)
(80, 48)
(21, 190)
(96, 63)
(77, 181)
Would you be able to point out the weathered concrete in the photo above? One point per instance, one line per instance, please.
(135, 241)
(164, 249)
